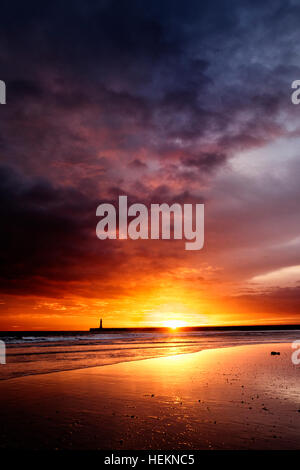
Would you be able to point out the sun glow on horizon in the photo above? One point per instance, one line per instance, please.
(173, 324)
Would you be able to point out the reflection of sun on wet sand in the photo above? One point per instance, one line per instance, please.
(231, 398)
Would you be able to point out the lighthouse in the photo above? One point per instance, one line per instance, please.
(96, 330)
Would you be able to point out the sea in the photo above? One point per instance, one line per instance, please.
(31, 353)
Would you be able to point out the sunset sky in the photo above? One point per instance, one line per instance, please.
(162, 101)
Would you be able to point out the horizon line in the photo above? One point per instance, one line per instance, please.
(167, 328)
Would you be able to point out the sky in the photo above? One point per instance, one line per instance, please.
(165, 102)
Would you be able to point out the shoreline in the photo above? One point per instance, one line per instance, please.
(236, 397)
(133, 358)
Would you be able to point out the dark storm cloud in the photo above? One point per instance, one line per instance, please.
(102, 92)
(137, 164)
(48, 240)
(48, 232)
(129, 68)
(204, 162)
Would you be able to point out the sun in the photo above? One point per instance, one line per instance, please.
(173, 324)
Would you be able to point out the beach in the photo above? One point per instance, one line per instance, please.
(237, 397)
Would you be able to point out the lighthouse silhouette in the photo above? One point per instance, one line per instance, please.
(95, 330)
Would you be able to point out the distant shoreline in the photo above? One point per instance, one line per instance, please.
(150, 330)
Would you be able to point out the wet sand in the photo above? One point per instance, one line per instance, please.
(230, 398)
